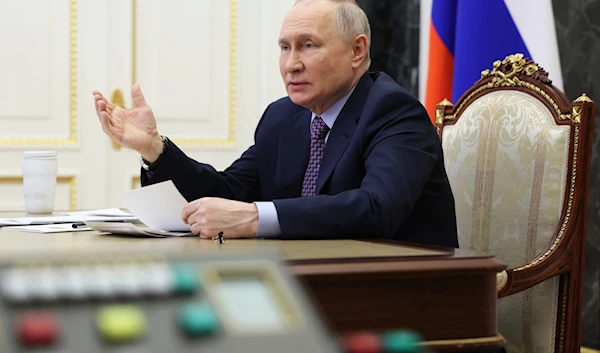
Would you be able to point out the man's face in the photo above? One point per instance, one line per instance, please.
(315, 62)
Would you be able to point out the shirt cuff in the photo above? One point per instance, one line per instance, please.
(268, 220)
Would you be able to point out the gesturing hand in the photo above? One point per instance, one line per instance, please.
(208, 216)
(134, 129)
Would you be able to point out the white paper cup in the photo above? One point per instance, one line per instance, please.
(39, 181)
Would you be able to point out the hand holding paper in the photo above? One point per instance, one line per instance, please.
(162, 208)
(209, 216)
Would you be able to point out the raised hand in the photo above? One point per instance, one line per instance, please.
(134, 129)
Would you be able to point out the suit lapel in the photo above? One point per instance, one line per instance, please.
(342, 130)
(294, 151)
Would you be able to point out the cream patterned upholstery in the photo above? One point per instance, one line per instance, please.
(507, 161)
(527, 319)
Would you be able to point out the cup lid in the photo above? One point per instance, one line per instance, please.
(39, 154)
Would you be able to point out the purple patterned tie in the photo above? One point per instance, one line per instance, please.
(318, 132)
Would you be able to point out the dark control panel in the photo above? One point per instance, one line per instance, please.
(242, 302)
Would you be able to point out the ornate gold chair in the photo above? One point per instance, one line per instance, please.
(517, 153)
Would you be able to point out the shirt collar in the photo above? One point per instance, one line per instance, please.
(330, 115)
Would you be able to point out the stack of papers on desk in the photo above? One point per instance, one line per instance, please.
(158, 206)
(49, 228)
(132, 229)
(107, 215)
(114, 213)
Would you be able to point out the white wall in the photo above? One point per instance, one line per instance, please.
(207, 67)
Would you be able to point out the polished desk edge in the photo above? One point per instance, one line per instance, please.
(455, 261)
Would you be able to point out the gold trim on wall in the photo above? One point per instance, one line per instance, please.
(71, 180)
(134, 181)
(72, 138)
(231, 132)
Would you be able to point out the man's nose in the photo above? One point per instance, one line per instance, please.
(293, 63)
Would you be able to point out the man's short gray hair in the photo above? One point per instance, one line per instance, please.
(352, 21)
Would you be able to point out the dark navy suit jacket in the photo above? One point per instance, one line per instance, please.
(382, 173)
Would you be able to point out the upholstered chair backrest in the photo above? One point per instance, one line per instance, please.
(509, 146)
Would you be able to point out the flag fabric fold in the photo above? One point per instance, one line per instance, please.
(467, 36)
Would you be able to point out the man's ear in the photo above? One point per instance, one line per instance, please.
(360, 46)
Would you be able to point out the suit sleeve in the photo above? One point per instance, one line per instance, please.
(194, 180)
(398, 160)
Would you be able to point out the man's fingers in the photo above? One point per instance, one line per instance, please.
(187, 212)
(106, 125)
(201, 231)
(206, 233)
(97, 100)
(137, 96)
(101, 109)
(196, 229)
(104, 116)
(98, 97)
(109, 105)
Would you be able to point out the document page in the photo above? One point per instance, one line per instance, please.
(105, 212)
(158, 206)
(132, 229)
(49, 228)
(23, 221)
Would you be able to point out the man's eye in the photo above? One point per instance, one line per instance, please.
(309, 45)
(285, 47)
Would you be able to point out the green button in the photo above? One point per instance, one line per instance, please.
(186, 280)
(198, 319)
(402, 341)
(119, 323)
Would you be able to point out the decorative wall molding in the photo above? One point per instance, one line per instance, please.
(229, 140)
(71, 180)
(72, 137)
(135, 181)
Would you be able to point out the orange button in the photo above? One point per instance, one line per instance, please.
(37, 329)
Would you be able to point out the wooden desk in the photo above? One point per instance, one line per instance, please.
(449, 296)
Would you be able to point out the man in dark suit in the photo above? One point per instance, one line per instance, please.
(348, 154)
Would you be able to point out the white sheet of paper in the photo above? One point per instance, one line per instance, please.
(23, 221)
(159, 206)
(131, 229)
(106, 212)
(49, 228)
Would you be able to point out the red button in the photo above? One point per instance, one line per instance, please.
(362, 342)
(37, 329)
